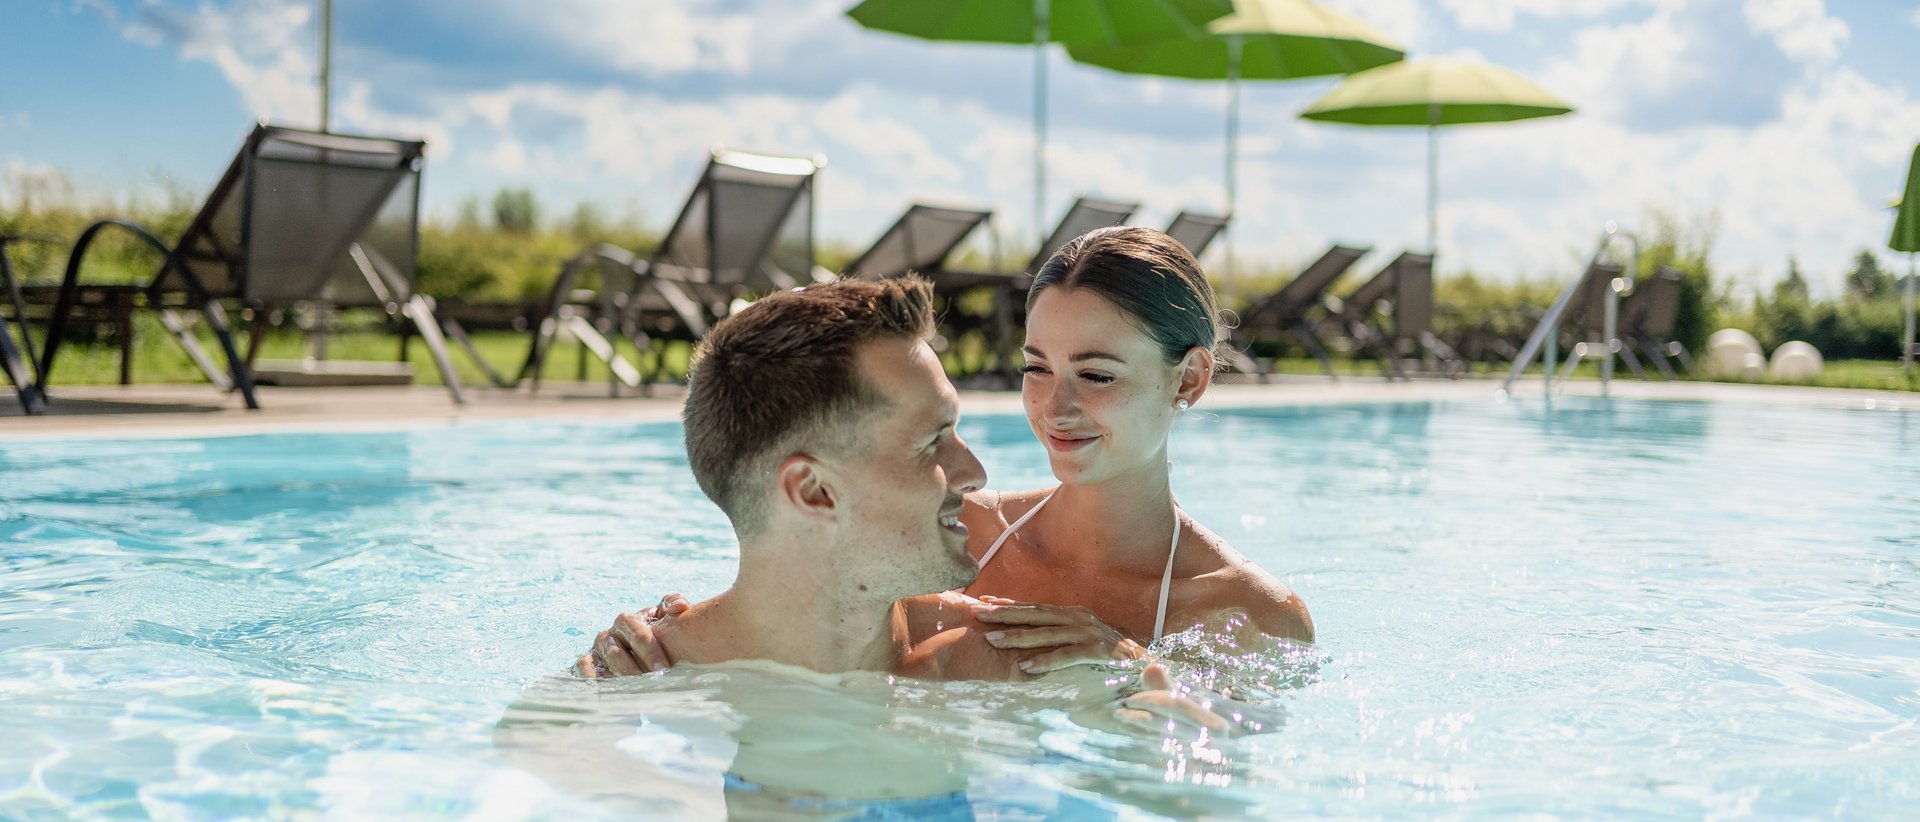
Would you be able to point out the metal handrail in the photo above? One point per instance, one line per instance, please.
(1546, 335)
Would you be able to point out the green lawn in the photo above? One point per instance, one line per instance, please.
(157, 359)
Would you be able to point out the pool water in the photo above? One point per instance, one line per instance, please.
(1631, 608)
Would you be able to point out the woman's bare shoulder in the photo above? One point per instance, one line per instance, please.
(1238, 584)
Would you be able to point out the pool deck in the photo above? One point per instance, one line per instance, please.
(201, 410)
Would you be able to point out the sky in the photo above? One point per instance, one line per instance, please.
(1785, 125)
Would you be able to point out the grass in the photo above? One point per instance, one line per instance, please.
(158, 359)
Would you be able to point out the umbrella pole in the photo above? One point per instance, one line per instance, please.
(1040, 11)
(326, 63)
(1906, 348)
(1433, 189)
(1233, 141)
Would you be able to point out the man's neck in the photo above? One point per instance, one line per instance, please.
(792, 613)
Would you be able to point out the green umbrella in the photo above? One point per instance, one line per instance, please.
(1906, 237)
(1434, 93)
(1260, 40)
(1040, 22)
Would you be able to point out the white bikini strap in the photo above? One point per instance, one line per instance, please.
(1166, 579)
(995, 548)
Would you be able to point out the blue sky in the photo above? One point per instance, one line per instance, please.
(1786, 123)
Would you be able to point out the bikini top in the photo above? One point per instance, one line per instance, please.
(1166, 577)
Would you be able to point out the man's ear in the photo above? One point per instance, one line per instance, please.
(1196, 373)
(804, 485)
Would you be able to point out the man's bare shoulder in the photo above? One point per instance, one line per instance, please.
(955, 645)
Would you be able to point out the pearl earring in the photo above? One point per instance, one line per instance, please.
(1180, 405)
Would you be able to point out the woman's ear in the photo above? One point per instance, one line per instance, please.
(805, 486)
(1196, 373)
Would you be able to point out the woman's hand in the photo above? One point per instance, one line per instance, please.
(629, 648)
(1166, 700)
(1073, 635)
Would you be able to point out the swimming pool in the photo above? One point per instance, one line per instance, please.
(1635, 608)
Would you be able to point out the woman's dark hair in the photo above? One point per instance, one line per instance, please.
(1148, 274)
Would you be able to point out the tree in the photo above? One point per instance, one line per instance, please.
(515, 211)
(1867, 280)
(1794, 287)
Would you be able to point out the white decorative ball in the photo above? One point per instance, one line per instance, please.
(1727, 355)
(1796, 362)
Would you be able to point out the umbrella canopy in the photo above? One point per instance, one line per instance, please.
(1906, 237)
(1906, 219)
(1434, 93)
(1040, 22)
(1260, 40)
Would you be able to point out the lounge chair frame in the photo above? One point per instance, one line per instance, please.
(683, 284)
(19, 370)
(1289, 310)
(1196, 230)
(237, 205)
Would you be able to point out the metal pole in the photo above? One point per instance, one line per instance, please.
(1234, 45)
(326, 64)
(1433, 185)
(1040, 33)
(1907, 338)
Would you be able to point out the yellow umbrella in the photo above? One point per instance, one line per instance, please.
(1434, 93)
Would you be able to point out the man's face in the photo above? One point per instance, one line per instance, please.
(902, 487)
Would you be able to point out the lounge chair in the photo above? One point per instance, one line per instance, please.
(1647, 319)
(1289, 310)
(1413, 307)
(919, 242)
(1009, 305)
(1584, 320)
(1196, 231)
(745, 231)
(299, 217)
(11, 362)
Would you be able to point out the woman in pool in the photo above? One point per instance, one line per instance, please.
(1121, 332)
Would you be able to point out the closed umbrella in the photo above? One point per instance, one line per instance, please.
(1260, 40)
(1906, 237)
(1434, 93)
(1040, 22)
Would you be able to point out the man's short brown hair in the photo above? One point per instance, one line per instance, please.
(780, 377)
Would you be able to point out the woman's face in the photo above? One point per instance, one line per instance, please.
(1098, 393)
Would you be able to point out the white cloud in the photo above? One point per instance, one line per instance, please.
(1915, 17)
(1498, 15)
(1403, 20)
(1611, 66)
(27, 182)
(1808, 177)
(659, 39)
(1801, 28)
(264, 48)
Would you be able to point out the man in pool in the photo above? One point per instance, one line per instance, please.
(821, 423)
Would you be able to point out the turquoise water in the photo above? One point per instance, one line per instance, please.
(1637, 608)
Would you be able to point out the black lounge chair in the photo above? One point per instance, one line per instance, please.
(299, 217)
(17, 368)
(745, 231)
(1196, 231)
(1354, 315)
(1009, 305)
(919, 242)
(1413, 308)
(1289, 310)
(1647, 319)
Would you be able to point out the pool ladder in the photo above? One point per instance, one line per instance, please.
(1546, 336)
